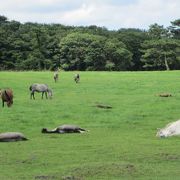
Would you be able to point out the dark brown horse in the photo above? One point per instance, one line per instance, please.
(6, 96)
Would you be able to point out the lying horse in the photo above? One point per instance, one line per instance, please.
(40, 88)
(64, 129)
(171, 129)
(76, 78)
(6, 96)
(12, 136)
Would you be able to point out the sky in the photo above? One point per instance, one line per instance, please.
(112, 14)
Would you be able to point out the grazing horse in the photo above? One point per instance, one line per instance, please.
(76, 78)
(56, 76)
(6, 96)
(40, 88)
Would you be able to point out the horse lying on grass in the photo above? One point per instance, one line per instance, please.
(43, 88)
(12, 136)
(64, 129)
(6, 96)
(171, 129)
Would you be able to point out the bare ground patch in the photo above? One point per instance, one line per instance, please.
(113, 169)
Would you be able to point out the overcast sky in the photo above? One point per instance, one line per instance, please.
(112, 14)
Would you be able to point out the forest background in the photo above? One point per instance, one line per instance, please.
(35, 46)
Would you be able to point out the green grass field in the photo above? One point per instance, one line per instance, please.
(121, 142)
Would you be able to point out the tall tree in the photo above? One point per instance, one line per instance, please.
(117, 55)
(161, 54)
(175, 29)
(82, 52)
(133, 38)
(161, 51)
(93, 52)
(157, 31)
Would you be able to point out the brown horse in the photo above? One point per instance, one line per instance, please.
(6, 96)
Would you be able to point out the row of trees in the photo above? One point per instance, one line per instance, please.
(33, 46)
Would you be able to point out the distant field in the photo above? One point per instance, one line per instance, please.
(121, 142)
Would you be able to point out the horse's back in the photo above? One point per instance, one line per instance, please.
(38, 87)
(7, 92)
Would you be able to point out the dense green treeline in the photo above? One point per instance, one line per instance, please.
(33, 46)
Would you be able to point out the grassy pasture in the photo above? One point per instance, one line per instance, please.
(121, 143)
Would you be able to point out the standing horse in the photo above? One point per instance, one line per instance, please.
(6, 96)
(56, 75)
(76, 78)
(40, 88)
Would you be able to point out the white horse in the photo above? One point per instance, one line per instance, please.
(56, 76)
(40, 88)
(171, 129)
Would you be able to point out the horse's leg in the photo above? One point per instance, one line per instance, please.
(2, 103)
(32, 95)
(46, 95)
(42, 95)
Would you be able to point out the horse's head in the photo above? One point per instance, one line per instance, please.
(50, 93)
(44, 130)
(9, 103)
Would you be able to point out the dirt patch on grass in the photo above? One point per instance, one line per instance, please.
(168, 156)
(48, 177)
(103, 106)
(103, 170)
(165, 95)
(43, 177)
(71, 178)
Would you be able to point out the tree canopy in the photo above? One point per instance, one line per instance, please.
(161, 51)
(34, 46)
